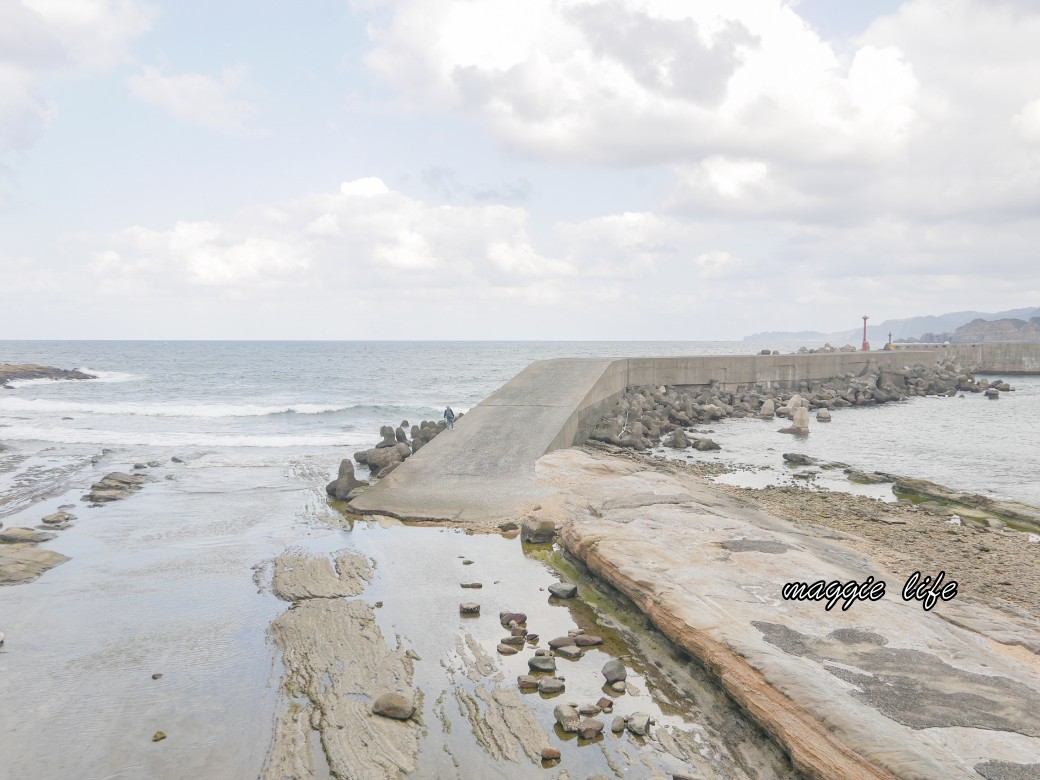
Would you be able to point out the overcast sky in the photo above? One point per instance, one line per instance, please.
(513, 169)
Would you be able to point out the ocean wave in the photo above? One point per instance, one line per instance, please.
(178, 438)
(163, 409)
(111, 376)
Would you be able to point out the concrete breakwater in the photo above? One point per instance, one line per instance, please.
(485, 468)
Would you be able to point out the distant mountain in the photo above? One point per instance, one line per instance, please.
(909, 328)
(982, 331)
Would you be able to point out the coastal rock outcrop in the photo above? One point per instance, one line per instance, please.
(115, 486)
(14, 372)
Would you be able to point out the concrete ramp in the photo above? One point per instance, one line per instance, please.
(484, 469)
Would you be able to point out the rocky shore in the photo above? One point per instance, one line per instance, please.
(10, 372)
(882, 690)
(645, 416)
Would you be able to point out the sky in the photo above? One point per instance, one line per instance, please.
(513, 169)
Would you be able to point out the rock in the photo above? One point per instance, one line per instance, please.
(1, 638)
(389, 438)
(114, 486)
(677, 440)
(570, 652)
(345, 482)
(377, 459)
(157, 676)
(467, 562)
(705, 445)
(768, 410)
(561, 641)
(177, 459)
(527, 683)
(605, 704)
(617, 725)
(400, 435)
(537, 530)
(567, 716)
(550, 754)
(639, 723)
(58, 518)
(508, 527)
(619, 686)
(139, 467)
(587, 640)
(823, 416)
(799, 423)
(512, 617)
(590, 729)
(992, 393)
(469, 608)
(518, 640)
(588, 710)
(541, 663)
(518, 632)
(393, 705)
(25, 536)
(992, 522)
(504, 649)
(472, 585)
(614, 671)
(21, 563)
(158, 736)
(532, 638)
(798, 459)
(551, 685)
(563, 590)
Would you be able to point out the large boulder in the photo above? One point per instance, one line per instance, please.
(768, 410)
(341, 486)
(537, 530)
(677, 440)
(393, 705)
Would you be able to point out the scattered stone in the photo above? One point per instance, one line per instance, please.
(513, 640)
(617, 725)
(587, 640)
(527, 683)
(590, 729)
(532, 638)
(542, 651)
(823, 416)
(798, 459)
(588, 710)
(25, 536)
(504, 649)
(563, 590)
(58, 518)
(541, 663)
(472, 585)
(114, 487)
(538, 530)
(567, 716)
(158, 736)
(639, 723)
(1, 638)
(551, 685)
(512, 617)
(561, 641)
(614, 671)
(550, 754)
(569, 652)
(508, 527)
(618, 687)
(157, 676)
(177, 459)
(705, 445)
(606, 704)
(992, 393)
(469, 608)
(393, 705)
(20, 563)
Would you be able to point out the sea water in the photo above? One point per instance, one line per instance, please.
(174, 579)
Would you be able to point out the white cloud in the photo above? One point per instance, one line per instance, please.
(197, 98)
(39, 37)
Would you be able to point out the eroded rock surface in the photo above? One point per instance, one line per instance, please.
(20, 563)
(338, 662)
(882, 690)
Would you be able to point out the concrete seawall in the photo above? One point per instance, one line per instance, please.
(1009, 358)
(485, 468)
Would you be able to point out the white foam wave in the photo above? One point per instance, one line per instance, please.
(111, 376)
(161, 410)
(175, 438)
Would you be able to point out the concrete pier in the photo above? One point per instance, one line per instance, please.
(485, 468)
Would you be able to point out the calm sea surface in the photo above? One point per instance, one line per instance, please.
(173, 579)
